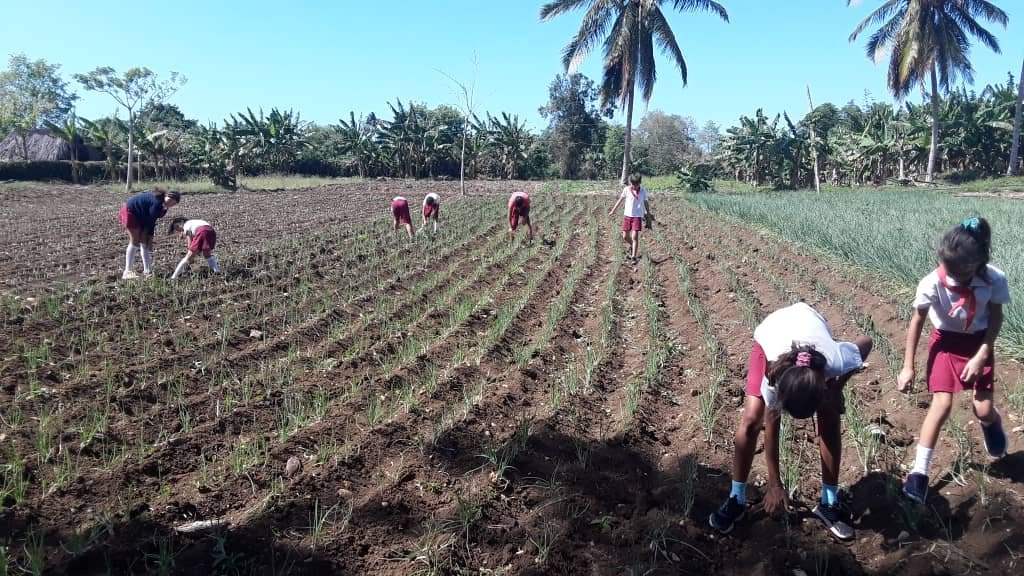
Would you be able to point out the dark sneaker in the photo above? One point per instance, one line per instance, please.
(725, 518)
(916, 487)
(995, 439)
(831, 515)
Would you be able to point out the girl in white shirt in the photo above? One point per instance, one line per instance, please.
(964, 300)
(795, 366)
(202, 239)
(636, 209)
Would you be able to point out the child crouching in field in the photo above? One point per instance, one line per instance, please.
(400, 214)
(964, 300)
(202, 238)
(796, 366)
(519, 211)
(432, 210)
(139, 215)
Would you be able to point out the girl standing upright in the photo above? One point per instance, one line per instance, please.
(963, 297)
(139, 215)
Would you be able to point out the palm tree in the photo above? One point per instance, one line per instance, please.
(67, 130)
(629, 30)
(1015, 147)
(929, 39)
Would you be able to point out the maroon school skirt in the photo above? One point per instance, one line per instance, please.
(948, 353)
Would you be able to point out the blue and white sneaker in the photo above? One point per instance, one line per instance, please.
(725, 518)
(995, 438)
(916, 487)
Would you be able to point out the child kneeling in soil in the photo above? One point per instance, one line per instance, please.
(796, 366)
(519, 211)
(139, 215)
(432, 210)
(400, 214)
(964, 300)
(202, 238)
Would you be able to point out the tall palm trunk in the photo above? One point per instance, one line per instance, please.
(1015, 149)
(131, 143)
(627, 148)
(934, 151)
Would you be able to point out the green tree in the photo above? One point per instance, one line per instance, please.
(929, 39)
(1015, 146)
(31, 94)
(511, 140)
(67, 130)
(574, 122)
(629, 30)
(670, 139)
(135, 89)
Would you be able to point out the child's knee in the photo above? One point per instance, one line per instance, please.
(865, 344)
(942, 403)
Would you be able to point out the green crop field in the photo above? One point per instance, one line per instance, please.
(894, 233)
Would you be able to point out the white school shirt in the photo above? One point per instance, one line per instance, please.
(633, 207)
(437, 199)
(800, 324)
(939, 300)
(192, 226)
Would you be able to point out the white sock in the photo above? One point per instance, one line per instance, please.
(129, 257)
(212, 261)
(180, 267)
(436, 226)
(922, 460)
(147, 260)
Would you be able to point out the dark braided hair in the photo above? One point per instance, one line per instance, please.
(799, 380)
(967, 247)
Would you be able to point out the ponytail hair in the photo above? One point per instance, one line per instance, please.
(967, 246)
(799, 380)
(177, 221)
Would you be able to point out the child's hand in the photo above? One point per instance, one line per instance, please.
(972, 370)
(776, 500)
(905, 381)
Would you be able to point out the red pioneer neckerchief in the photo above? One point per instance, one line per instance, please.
(635, 192)
(966, 294)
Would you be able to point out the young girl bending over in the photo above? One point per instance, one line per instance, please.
(795, 366)
(964, 300)
(202, 239)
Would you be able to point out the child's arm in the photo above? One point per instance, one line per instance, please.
(905, 381)
(616, 207)
(976, 365)
(647, 209)
(775, 500)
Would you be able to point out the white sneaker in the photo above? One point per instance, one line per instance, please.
(129, 275)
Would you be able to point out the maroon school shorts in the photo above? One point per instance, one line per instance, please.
(634, 224)
(400, 210)
(204, 240)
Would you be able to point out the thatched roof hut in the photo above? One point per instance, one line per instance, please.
(41, 144)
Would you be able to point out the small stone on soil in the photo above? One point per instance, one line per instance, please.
(292, 466)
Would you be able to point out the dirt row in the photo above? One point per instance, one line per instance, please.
(540, 430)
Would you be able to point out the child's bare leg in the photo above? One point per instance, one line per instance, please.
(830, 442)
(183, 264)
(942, 403)
(408, 230)
(635, 242)
(745, 442)
(984, 408)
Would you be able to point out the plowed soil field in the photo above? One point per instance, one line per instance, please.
(343, 401)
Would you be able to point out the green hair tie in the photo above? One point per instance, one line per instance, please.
(971, 224)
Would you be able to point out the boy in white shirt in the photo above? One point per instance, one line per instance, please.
(635, 209)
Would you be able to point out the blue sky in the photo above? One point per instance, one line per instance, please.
(325, 58)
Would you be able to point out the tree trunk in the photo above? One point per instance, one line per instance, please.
(462, 163)
(934, 151)
(627, 148)
(1015, 149)
(131, 129)
(814, 149)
